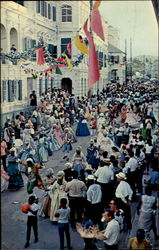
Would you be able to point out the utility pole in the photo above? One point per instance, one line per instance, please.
(125, 62)
(131, 59)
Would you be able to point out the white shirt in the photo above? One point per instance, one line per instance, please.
(94, 194)
(34, 207)
(123, 190)
(132, 164)
(104, 174)
(148, 149)
(112, 232)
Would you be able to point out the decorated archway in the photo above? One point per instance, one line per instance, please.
(66, 84)
(14, 37)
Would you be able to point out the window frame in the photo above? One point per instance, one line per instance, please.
(66, 16)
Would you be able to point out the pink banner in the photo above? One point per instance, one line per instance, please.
(96, 23)
(93, 68)
(40, 60)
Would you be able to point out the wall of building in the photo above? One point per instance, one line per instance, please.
(23, 26)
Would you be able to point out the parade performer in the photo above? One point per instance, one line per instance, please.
(32, 171)
(92, 155)
(82, 127)
(79, 162)
(15, 180)
(123, 114)
(57, 192)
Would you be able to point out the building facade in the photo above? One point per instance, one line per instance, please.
(23, 23)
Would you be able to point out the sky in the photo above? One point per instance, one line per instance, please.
(135, 19)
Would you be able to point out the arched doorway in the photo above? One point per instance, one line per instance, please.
(3, 38)
(14, 37)
(66, 84)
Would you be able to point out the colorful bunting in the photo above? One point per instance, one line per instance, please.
(40, 60)
(68, 61)
(69, 49)
(58, 71)
(80, 45)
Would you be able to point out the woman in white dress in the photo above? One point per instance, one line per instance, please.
(57, 192)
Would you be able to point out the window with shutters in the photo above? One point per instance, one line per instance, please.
(116, 59)
(64, 42)
(46, 84)
(40, 86)
(53, 50)
(45, 9)
(105, 62)
(10, 91)
(52, 83)
(66, 13)
(4, 91)
(53, 13)
(42, 8)
(100, 59)
(20, 90)
(49, 11)
(19, 2)
(38, 6)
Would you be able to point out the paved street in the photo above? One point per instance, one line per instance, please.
(14, 221)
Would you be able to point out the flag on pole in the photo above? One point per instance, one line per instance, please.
(96, 5)
(93, 68)
(68, 61)
(96, 21)
(69, 49)
(58, 71)
(40, 60)
(80, 44)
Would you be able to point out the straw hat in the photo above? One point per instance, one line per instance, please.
(121, 176)
(60, 174)
(88, 167)
(90, 177)
(68, 165)
(29, 159)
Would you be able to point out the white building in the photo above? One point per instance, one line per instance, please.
(116, 64)
(58, 22)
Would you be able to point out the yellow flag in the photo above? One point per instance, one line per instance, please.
(80, 45)
(68, 61)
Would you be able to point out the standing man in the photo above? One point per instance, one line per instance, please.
(112, 231)
(124, 195)
(33, 99)
(105, 177)
(75, 190)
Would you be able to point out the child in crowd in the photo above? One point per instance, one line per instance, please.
(63, 214)
(32, 220)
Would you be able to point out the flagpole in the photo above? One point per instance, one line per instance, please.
(131, 58)
(125, 62)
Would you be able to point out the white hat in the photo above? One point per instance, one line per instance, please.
(68, 165)
(101, 115)
(12, 150)
(29, 159)
(90, 177)
(88, 167)
(121, 176)
(60, 174)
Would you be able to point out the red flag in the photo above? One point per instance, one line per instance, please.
(96, 23)
(40, 60)
(93, 68)
(69, 49)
